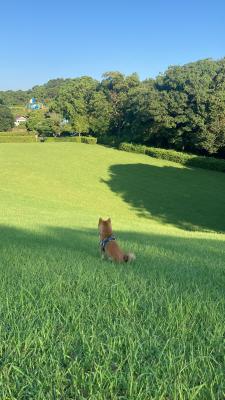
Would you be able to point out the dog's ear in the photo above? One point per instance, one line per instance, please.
(109, 220)
(100, 220)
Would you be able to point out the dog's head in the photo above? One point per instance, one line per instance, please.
(105, 227)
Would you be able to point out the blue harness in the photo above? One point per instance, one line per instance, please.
(105, 241)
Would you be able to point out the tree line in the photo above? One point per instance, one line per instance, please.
(181, 109)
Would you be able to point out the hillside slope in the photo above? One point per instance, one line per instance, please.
(74, 327)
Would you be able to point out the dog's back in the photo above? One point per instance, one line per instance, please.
(112, 249)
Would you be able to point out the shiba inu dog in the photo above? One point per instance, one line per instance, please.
(108, 245)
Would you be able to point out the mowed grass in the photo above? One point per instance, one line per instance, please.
(75, 327)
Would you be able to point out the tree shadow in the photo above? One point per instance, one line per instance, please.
(186, 198)
(51, 239)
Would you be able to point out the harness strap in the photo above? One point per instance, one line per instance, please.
(104, 242)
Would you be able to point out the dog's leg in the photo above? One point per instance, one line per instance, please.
(102, 253)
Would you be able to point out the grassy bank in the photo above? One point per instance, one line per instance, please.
(74, 327)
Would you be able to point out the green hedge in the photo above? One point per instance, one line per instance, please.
(110, 141)
(17, 139)
(190, 160)
(31, 138)
(76, 139)
(16, 132)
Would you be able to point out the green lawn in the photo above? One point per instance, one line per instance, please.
(18, 110)
(74, 327)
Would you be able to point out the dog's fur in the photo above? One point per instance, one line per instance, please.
(111, 251)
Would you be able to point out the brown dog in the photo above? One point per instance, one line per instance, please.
(108, 245)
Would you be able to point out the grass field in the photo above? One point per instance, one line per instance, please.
(74, 327)
(18, 110)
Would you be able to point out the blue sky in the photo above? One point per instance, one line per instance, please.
(41, 40)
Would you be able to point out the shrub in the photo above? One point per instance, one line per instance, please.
(63, 139)
(4, 138)
(207, 163)
(16, 139)
(176, 156)
(76, 139)
(88, 140)
(108, 140)
(133, 148)
(16, 132)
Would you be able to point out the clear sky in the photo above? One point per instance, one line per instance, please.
(45, 39)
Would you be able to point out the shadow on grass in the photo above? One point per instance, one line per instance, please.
(63, 250)
(49, 239)
(189, 199)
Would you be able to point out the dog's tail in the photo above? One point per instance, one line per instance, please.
(129, 257)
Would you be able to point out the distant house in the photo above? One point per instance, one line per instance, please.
(19, 120)
(64, 121)
(33, 105)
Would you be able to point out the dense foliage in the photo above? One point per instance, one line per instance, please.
(44, 123)
(182, 109)
(6, 118)
(191, 160)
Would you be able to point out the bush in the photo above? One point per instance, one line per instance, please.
(133, 148)
(76, 139)
(16, 139)
(190, 160)
(63, 139)
(108, 140)
(88, 140)
(16, 132)
(207, 163)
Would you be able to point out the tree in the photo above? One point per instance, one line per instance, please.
(34, 118)
(194, 105)
(144, 113)
(99, 111)
(6, 118)
(73, 101)
(13, 98)
(116, 87)
(44, 123)
(184, 108)
(46, 127)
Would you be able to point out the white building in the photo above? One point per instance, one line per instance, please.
(19, 120)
